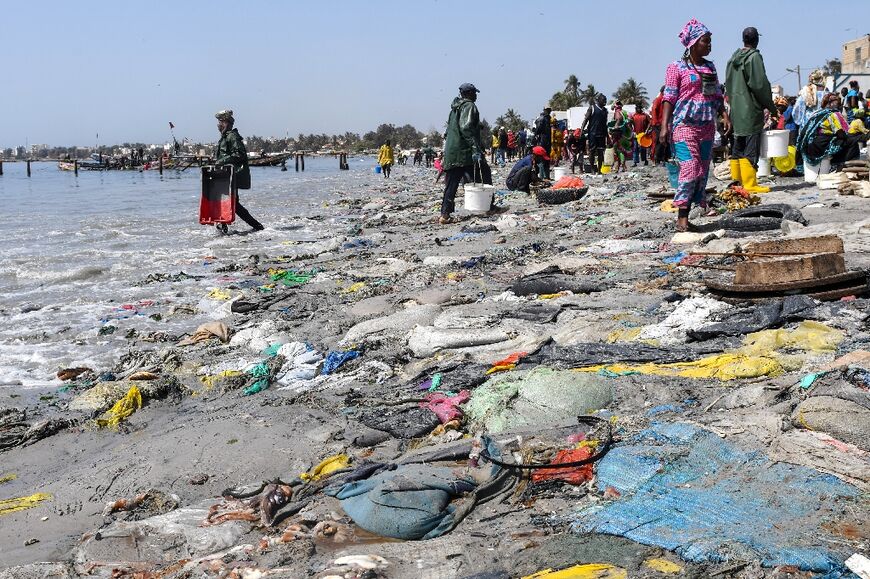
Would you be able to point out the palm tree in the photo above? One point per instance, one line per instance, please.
(632, 92)
(572, 86)
(832, 67)
(587, 95)
(511, 120)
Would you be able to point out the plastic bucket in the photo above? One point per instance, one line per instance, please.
(559, 172)
(764, 167)
(377, 168)
(478, 197)
(609, 156)
(644, 140)
(774, 144)
(786, 164)
(812, 172)
(673, 174)
(605, 169)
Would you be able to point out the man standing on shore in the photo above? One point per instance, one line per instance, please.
(462, 149)
(596, 137)
(231, 151)
(749, 93)
(544, 138)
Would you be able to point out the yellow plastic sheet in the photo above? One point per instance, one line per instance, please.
(212, 379)
(721, 366)
(668, 206)
(588, 571)
(8, 506)
(663, 566)
(123, 408)
(219, 294)
(623, 335)
(808, 336)
(8, 477)
(355, 287)
(326, 467)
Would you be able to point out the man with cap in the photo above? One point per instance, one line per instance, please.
(231, 151)
(749, 94)
(523, 172)
(544, 138)
(463, 158)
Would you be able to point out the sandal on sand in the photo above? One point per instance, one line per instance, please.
(445, 220)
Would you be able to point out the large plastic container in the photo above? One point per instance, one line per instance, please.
(609, 156)
(763, 167)
(559, 172)
(478, 197)
(812, 172)
(774, 144)
(377, 168)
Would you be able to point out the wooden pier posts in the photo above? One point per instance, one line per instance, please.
(1, 168)
(161, 164)
(28, 167)
(76, 167)
(342, 162)
(300, 156)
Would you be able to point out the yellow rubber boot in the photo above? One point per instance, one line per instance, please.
(735, 169)
(748, 178)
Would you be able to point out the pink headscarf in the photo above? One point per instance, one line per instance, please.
(692, 31)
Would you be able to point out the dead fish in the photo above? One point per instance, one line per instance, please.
(273, 499)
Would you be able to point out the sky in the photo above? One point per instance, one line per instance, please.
(124, 70)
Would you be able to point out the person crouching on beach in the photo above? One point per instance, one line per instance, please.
(231, 151)
(524, 173)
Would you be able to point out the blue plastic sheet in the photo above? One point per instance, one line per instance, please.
(685, 489)
(335, 360)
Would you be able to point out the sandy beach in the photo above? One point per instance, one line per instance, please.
(585, 284)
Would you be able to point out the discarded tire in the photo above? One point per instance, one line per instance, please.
(560, 196)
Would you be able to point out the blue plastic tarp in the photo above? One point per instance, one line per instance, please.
(685, 489)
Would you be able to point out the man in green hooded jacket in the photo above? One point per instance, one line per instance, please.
(231, 151)
(749, 93)
(462, 149)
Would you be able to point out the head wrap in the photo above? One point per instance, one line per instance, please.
(828, 98)
(224, 115)
(692, 31)
(857, 127)
(816, 77)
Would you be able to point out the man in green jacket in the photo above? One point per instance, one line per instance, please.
(462, 149)
(749, 93)
(231, 151)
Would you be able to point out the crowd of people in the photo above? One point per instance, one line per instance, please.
(694, 116)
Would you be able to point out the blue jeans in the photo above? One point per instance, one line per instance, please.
(499, 157)
(638, 152)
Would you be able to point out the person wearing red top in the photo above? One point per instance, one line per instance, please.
(641, 122)
(656, 122)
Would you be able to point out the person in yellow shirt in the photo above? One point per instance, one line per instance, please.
(557, 139)
(385, 158)
(495, 144)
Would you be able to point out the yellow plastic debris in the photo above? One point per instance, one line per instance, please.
(8, 477)
(355, 287)
(551, 296)
(587, 571)
(219, 294)
(663, 566)
(721, 366)
(212, 379)
(123, 408)
(326, 467)
(8, 506)
(668, 206)
(808, 336)
(623, 335)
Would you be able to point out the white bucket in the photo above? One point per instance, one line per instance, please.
(559, 172)
(812, 172)
(609, 156)
(478, 197)
(764, 167)
(774, 144)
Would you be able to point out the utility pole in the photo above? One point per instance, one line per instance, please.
(797, 70)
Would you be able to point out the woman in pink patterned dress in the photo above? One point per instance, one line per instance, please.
(691, 102)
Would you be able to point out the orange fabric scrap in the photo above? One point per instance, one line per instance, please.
(575, 475)
(508, 363)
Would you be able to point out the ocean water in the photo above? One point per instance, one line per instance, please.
(76, 251)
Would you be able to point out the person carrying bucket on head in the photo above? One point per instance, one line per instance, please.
(749, 95)
(231, 151)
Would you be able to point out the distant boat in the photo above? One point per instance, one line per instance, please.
(268, 160)
(66, 165)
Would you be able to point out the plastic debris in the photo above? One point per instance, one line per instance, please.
(122, 409)
(326, 467)
(335, 360)
(16, 504)
(586, 571)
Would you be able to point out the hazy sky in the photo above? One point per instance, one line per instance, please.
(125, 69)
